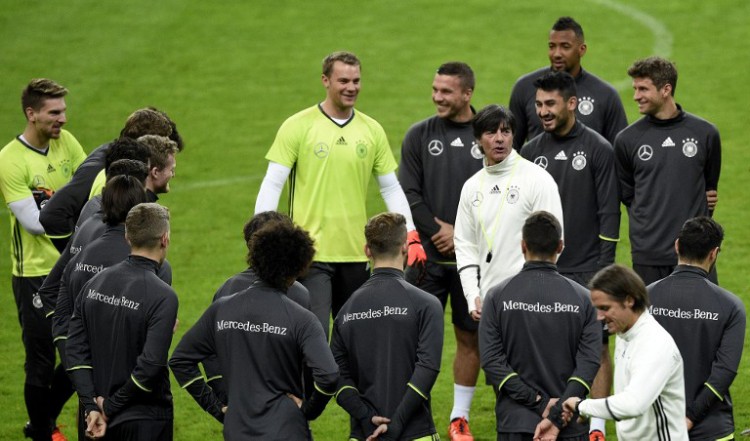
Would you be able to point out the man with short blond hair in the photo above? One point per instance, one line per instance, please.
(33, 166)
(334, 151)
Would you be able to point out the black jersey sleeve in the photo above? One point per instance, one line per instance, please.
(724, 367)
(197, 345)
(713, 161)
(160, 322)
(61, 212)
(78, 362)
(410, 175)
(319, 359)
(517, 107)
(51, 286)
(64, 306)
(587, 357)
(624, 169)
(608, 203)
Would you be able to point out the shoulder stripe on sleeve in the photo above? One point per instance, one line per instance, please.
(580, 380)
(502, 383)
(188, 383)
(417, 391)
(716, 392)
(609, 239)
(338, 392)
(140, 386)
(75, 368)
(330, 394)
(662, 425)
(606, 402)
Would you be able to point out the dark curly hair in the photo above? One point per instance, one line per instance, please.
(256, 223)
(280, 252)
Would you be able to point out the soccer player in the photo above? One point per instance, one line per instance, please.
(668, 163)
(388, 340)
(599, 106)
(582, 163)
(539, 338)
(707, 323)
(334, 150)
(63, 209)
(494, 204)
(437, 156)
(32, 167)
(242, 281)
(262, 340)
(649, 398)
(120, 335)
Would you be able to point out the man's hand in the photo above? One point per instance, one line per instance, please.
(712, 197)
(477, 313)
(96, 425)
(552, 402)
(443, 239)
(546, 431)
(382, 427)
(689, 423)
(415, 252)
(100, 404)
(297, 400)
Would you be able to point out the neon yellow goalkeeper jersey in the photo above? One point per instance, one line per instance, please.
(332, 166)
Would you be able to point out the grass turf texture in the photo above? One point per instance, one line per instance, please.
(229, 73)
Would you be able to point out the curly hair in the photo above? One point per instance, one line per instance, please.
(256, 223)
(280, 252)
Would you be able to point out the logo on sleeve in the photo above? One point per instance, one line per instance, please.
(689, 147)
(476, 153)
(579, 161)
(585, 105)
(645, 152)
(541, 161)
(435, 147)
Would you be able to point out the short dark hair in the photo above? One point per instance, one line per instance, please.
(126, 148)
(146, 121)
(280, 253)
(145, 225)
(256, 223)
(698, 237)
(492, 118)
(119, 195)
(38, 91)
(542, 233)
(460, 70)
(385, 234)
(160, 147)
(342, 56)
(131, 167)
(619, 281)
(558, 81)
(659, 70)
(568, 24)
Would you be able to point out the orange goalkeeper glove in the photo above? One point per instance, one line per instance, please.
(416, 255)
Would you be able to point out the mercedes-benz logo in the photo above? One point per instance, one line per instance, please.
(435, 147)
(645, 152)
(476, 200)
(541, 161)
(321, 150)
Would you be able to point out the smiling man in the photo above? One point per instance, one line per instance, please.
(437, 156)
(32, 166)
(668, 163)
(334, 151)
(599, 105)
(649, 398)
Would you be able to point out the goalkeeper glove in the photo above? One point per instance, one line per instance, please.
(415, 252)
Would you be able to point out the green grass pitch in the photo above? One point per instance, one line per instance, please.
(230, 72)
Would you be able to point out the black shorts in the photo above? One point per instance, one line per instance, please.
(652, 273)
(331, 284)
(36, 331)
(443, 281)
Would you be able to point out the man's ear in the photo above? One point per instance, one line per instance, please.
(368, 253)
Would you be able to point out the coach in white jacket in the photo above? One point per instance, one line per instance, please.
(494, 204)
(649, 399)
